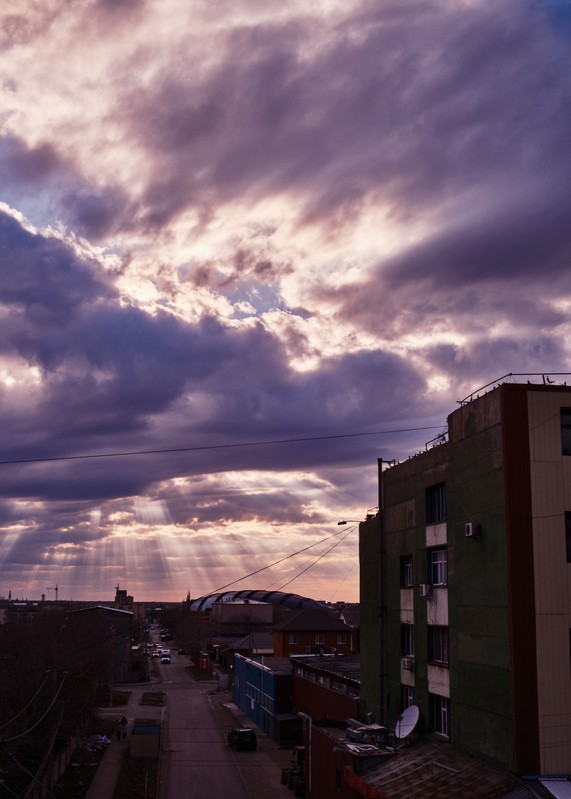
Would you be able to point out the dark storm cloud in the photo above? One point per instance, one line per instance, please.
(494, 360)
(43, 279)
(470, 276)
(447, 123)
(95, 214)
(520, 243)
(34, 176)
(27, 164)
(408, 104)
(115, 378)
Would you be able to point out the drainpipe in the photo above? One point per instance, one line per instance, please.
(382, 609)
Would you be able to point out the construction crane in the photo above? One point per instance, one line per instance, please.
(54, 588)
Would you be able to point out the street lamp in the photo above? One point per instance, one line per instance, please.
(371, 513)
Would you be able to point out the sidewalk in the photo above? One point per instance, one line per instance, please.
(108, 770)
(260, 771)
(103, 783)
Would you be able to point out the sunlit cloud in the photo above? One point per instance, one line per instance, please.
(266, 242)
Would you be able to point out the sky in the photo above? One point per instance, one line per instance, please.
(247, 249)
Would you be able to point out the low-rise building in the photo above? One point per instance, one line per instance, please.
(312, 632)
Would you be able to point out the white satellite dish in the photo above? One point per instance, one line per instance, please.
(407, 722)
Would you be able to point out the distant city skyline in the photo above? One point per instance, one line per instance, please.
(259, 248)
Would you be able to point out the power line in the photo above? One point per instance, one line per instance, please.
(316, 560)
(281, 560)
(7, 724)
(51, 459)
(28, 731)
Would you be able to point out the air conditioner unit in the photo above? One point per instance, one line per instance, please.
(471, 530)
(425, 590)
(408, 664)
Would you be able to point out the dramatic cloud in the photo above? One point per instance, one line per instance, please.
(245, 252)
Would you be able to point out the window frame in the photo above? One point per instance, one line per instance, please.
(568, 535)
(565, 423)
(438, 645)
(439, 715)
(319, 639)
(437, 567)
(435, 503)
(407, 696)
(293, 638)
(406, 571)
(407, 640)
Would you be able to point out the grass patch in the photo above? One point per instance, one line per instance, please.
(118, 698)
(138, 778)
(155, 698)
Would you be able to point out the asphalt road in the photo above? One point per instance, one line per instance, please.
(196, 762)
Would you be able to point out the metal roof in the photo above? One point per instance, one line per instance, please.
(271, 597)
(433, 769)
(346, 666)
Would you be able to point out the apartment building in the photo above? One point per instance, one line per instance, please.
(466, 583)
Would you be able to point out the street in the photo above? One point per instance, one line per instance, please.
(196, 762)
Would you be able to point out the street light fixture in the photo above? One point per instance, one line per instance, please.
(371, 513)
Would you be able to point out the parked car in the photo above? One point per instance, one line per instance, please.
(242, 740)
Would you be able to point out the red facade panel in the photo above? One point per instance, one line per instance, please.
(321, 702)
(519, 540)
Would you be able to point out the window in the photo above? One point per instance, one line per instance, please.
(438, 714)
(438, 645)
(407, 640)
(406, 572)
(566, 431)
(342, 638)
(435, 499)
(438, 566)
(319, 638)
(293, 638)
(568, 536)
(407, 696)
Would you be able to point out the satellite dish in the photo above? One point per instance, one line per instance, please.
(407, 722)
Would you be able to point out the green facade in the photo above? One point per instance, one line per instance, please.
(470, 465)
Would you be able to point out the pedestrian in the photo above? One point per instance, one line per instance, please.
(123, 724)
(118, 730)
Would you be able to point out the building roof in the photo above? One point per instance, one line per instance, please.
(346, 666)
(351, 615)
(312, 620)
(273, 664)
(105, 608)
(433, 769)
(273, 597)
(257, 643)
